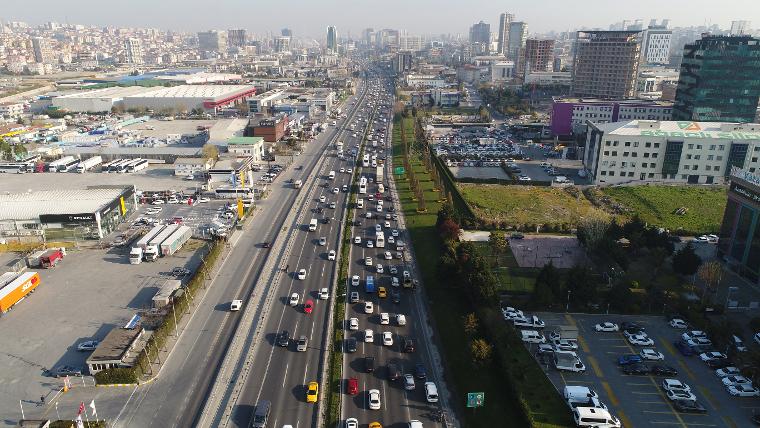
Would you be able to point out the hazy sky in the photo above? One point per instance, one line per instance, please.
(310, 17)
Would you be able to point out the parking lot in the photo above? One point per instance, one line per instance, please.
(639, 400)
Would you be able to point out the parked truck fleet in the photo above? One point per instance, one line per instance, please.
(161, 240)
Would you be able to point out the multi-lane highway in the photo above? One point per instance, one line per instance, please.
(398, 346)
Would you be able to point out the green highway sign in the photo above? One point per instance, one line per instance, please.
(398, 170)
(476, 399)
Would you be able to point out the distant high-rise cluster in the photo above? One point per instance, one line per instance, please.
(332, 39)
(212, 42)
(505, 21)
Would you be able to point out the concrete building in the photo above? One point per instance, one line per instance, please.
(282, 44)
(570, 115)
(133, 51)
(719, 80)
(502, 71)
(247, 147)
(120, 348)
(656, 45)
(739, 28)
(403, 62)
(649, 83)
(518, 34)
(480, 38)
(236, 37)
(212, 41)
(669, 152)
(427, 81)
(91, 213)
(739, 242)
(538, 56)
(549, 78)
(411, 43)
(11, 110)
(192, 166)
(502, 45)
(436, 97)
(43, 51)
(606, 64)
(332, 39)
(261, 103)
(270, 128)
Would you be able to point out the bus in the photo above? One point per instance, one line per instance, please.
(362, 185)
(67, 166)
(380, 240)
(365, 161)
(13, 168)
(119, 165)
(138, 165)
(107, 165)
(233, 192)
(369, 286)
(127, 167)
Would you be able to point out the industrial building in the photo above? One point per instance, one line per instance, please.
(270, 128)
(641, 151)
(90, 213)
(739, 241)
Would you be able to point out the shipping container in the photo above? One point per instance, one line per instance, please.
(17, 290)
(176, 240)
(161, 237)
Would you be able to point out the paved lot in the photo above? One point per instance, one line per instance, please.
(479, 172)
(199, 216)
(539, 250)
(639, 401)
(87, 294)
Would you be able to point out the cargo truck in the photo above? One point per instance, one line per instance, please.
(15, 288)
(155, 243)
(88, 164)
(46, 258)
(135, 255)
(176, 240)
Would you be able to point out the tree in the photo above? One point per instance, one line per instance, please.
(470, 324)
(591, 232)
(498, 243)
(481, 351)
(686, 261)
(548, 279)
(210, 151)
(581, 286)
(449, 230)
(711, 273)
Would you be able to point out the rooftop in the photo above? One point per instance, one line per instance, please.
(197, 91)
(29, 206)
(116, 343)
(688, 129)
(245, 141)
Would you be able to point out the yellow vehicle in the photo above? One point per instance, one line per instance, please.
(382, 293)
(375, 425)
(312, 392)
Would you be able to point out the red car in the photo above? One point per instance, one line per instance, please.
(308, 306)
(353, 386)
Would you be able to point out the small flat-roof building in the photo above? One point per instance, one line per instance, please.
(165, 294)
(119, 348)
(247, 147)
(229, 169)
(272, 129)
(192, 166)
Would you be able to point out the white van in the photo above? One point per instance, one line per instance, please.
(332, 175)
(594, 417)
(313, 225)
(431, 392)
(532, 336)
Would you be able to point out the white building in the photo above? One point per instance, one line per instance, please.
(549, 78)
(133, 51)
(669, 152)
(427, 81)
(502, 71)
(192, 166)
(656, 45)
(411, 43)
(11, 110)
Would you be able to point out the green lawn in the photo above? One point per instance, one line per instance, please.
(527, 205)
(511, 277)
(656, 205)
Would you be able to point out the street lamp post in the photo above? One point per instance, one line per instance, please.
(567, 307)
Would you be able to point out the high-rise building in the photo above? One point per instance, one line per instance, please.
(42, 50)
(719, 80)
(282, 44)
(656, 44)
(286, 32)
(538, 56)
(605, 64)
(411, 43)
(368, 35)
(236, 37)
(518, 33)
(403, 61)
(133, 51)
(505, 19)
(480, 38)
(332, 39)
(739, 28)
(212, 41)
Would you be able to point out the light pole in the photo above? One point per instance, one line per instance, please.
(567, 307)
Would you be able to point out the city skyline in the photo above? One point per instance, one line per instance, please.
(312, 18)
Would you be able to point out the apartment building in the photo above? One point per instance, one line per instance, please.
(606, 64)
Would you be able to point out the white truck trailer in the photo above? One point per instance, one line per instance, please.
(176, 240)
(88, 164)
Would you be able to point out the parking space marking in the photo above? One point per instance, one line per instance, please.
(595, 366)
(570, 320)
(669, 347)
(613, 398)
(709, 397)
(686, 370)
(729, 421)
(624, 419)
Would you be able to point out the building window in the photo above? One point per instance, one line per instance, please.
(604, 163)
(707, 167)
(650, 175)
(722, 147)
(690, 146)
(654, 155)
(754, 159)
(604, 172)
(614, 153)
(648, 144)
(697, 157)
(612, 173)
(656, 145)
(615, 143)
(716, 168)
(695, 167)
(646, 155)
(623, 164)
(712, 146)
(625, 154)
(628, 144)
(630, 174)
(606, 153)
(710, 157)
(719, 158)
(699, 147)
(607, 143)
(688, 156)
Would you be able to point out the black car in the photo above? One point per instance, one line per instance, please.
(631, 326)
(663, 371)
(635, 369)
(369, 364)
(393, 372)
(283, 339)
(419, 371)
(395, 296)
(407, 345)
(689, 406)
(60, 371)
(719, 363)
(351, 344)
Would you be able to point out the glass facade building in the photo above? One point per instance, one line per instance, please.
(740, 232)
(719, 80)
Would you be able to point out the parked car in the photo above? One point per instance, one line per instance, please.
(660, 370)
(87, 346)
(65, 370)
(743, 391)
(635, 369)
(606, 327)
(688, 406)
(629, 359)
(650, 354)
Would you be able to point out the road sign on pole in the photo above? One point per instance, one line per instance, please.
(399, 170)
(476, 399)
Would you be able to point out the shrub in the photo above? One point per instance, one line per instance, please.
(117, 375)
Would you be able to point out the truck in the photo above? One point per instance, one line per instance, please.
(60, 163)
(155, 243)
(143, 242)
(14, 287)
(46, 258)
(135, 255)
(568, 361)
(88, 164)
(297, 184)
(176, 240)
(369, 284)
(379, 174)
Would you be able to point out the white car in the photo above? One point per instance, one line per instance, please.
(343, 170)
(387, 338)
(355, 280)
(158, 202)
(712, 356)
(699, 341)
(370, 244)
(368, 215)
(400, 319)
(368, 307)
(374, 399)
(302, 274)
(353, 324)
(394, 233)
(743, 391)
(350, 171)
(385, 318)
(727, 371)
(369, 336)
(689, 335)
(408, 382)
(357, 240)
(203, 200)
(324, 294)
(332, 205)
(650, 354)
(379, 268)
(736, 380)
(336, 190)
(564, 344)
(352, 423)
(607, 326)
(678, 323)
(331, 255)
(675, 385)
(387, 225)
(681, 395)
(387, 255)
(368, 261)
(640, 339)
(235, 305)
(322, 199)
(391, 240)
(294, 298)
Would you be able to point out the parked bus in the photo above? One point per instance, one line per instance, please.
(13, 168)
(67, 166)
(233, 192)
(140, 164)
(119, 165)
(105, 167)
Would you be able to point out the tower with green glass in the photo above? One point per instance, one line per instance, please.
(719, 80)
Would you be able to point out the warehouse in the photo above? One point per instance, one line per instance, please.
(91, 213)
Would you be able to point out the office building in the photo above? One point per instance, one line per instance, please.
(480, 38)
(368, 36)
(332, 39)
(212, 41)
(669, 152)
(133, 51)
(719, 80)
(739, 28)
(411, 43)
(606, 64)
(236, 37)
(739, 242)
(282, 44)
(505, 20)
(656, 48)
(538, 55)
(518, 33)
(42, 50)
(403, 62)
(569, 115)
